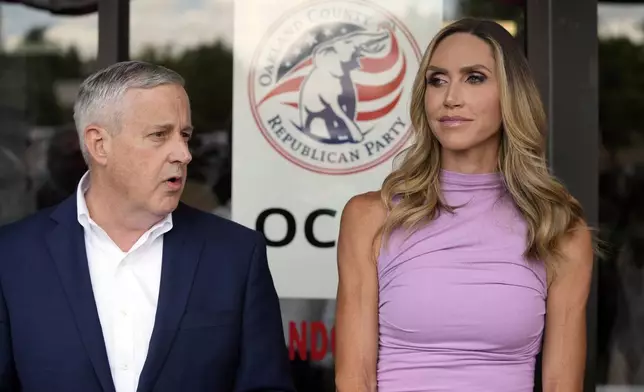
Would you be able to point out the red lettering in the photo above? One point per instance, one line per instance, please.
(319, 341)
(295, 339)
(320, 338)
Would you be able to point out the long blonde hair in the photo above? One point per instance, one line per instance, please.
(411, 193)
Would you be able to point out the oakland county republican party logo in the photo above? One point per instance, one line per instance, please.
(329, 85)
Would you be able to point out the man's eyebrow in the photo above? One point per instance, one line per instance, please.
(163, 127)
(167, 127)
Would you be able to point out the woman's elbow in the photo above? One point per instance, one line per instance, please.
(354, 384)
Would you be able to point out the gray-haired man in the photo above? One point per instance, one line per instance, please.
(122, 287)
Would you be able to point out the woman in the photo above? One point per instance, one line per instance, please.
(446, 274)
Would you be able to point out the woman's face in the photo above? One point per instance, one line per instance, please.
(462, 96)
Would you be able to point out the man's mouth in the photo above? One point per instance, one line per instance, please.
(174, 181)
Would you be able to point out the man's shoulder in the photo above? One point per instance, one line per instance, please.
(25, 228)
(221, 227)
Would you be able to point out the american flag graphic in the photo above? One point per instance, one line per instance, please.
(377, 77)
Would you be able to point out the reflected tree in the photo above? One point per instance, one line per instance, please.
(494, 9)
(500, 10)
(621, 98)
(44, 64)
(208, 71)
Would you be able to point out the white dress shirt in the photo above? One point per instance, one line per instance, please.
(126, 290)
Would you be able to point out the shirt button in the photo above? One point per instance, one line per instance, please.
(123, 312)
(124, 366)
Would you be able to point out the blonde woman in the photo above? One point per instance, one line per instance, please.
(472, 254)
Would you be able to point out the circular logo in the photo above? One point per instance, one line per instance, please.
(328, 86)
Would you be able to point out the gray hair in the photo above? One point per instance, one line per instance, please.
(98, 94)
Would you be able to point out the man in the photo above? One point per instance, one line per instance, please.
(122, 287)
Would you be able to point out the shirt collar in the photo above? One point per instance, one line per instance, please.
(83, 213)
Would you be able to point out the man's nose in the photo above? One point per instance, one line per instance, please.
(181, 151)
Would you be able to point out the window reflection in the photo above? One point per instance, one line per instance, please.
(620, 348)
(43, 59)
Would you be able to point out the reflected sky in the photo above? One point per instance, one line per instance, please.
(183, 23)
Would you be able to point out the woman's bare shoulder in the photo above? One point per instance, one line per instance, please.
(366, 210)
(362, 217)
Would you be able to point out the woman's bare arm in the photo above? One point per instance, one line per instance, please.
(564, 353)
(357, 298)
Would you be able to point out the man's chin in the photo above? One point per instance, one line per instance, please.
(167, 206)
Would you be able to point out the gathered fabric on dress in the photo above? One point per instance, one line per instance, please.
(460, 307)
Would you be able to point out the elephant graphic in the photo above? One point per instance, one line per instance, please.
(327, 106)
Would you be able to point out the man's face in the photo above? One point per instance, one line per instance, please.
(148, 156)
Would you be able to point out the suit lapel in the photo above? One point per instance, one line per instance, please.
(181, 248)
(67, 246)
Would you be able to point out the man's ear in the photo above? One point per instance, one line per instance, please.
(98, 142)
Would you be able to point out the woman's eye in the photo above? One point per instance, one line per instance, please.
(435, 81)
(476, 78)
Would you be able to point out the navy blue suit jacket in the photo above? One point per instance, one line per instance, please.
(218, 324)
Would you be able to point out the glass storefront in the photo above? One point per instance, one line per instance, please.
(43, 58)
(620, 307)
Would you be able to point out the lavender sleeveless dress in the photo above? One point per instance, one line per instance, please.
(460, 309)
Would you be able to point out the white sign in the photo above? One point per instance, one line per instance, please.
(321, 107)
